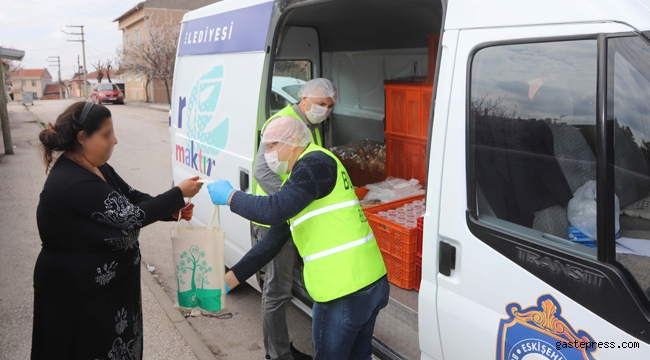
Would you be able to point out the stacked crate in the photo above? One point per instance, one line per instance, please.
(398, 244)
(408, 108)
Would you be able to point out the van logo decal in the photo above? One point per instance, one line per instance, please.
(206, 128)
(541, 333)
(571, 271)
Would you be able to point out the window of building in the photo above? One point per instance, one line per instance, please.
(532, 138)
(136, 34)
(24, 83)
(33, 82)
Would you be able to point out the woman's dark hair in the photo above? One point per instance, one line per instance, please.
(62, 136)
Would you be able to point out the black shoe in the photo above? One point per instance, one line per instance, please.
(267, 357)
(297, 355)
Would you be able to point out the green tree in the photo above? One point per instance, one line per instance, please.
(191, 261)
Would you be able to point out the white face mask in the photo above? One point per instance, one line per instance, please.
(317, 114)
(277, 166)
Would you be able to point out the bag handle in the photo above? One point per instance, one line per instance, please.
(216, 212)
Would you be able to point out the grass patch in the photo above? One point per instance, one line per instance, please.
(42, 124)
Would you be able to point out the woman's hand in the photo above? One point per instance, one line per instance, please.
(190, 187)
(186, 212)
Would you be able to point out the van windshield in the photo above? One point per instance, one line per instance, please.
(107, 87)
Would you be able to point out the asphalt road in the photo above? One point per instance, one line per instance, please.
(142, 157)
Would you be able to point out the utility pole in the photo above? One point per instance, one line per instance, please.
(83, 52)
(58, 61)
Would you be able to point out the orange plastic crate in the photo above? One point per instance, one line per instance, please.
(408, 108)
(406, 158)
(362, 178)
(401, 273)
(397, 243)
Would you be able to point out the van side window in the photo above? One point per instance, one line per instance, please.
(628, 94)
(532, 138)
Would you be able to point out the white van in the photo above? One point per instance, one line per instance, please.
(532, 100)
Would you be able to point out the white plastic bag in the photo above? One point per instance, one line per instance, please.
(393, 189)
(582, 210)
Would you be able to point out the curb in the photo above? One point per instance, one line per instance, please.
(152, 106)
(184, 328)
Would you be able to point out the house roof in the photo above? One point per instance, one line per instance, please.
(137, 7)
(93, 75)
(53, 88)
(33, 73)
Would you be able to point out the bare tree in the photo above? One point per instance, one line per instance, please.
(153, 55)
(99, 67)
(11, 69)
(133, 58)
(108, 65)
(492, 107)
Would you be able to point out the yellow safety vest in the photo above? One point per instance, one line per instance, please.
(336, 243)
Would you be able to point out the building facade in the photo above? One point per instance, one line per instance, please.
(30, 80)
(134, 26)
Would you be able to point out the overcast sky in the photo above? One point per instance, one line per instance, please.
(35, 26)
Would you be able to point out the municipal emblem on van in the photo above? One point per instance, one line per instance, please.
(541, 333)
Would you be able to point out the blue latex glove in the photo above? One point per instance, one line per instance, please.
(220, 192)
(227, 288)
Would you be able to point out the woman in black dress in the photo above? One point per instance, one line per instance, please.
(87, 300)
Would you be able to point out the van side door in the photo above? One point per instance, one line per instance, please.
(221, 53)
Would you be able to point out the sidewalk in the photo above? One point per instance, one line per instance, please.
(155, 106)
(167, 335)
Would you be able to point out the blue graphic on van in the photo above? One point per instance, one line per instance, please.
(204, 136)
(541, 333)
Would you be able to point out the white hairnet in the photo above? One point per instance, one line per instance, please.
(318, 88)
(288, 130)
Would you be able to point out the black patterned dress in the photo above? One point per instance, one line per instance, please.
(87, 299)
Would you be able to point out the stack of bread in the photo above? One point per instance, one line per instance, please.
(364, 155)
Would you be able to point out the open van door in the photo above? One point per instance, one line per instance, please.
(217, 80)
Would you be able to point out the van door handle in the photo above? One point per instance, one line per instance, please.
(447, 258)
(243, 180)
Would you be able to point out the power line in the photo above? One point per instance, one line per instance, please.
(112, 14)
(83, 50)
(58, 61)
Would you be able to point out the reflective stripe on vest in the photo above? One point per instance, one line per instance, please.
(323, 210)
(338, 249)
